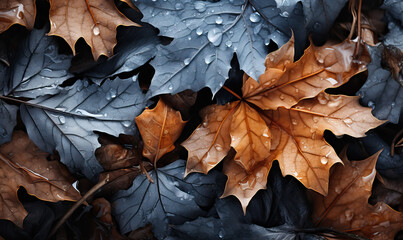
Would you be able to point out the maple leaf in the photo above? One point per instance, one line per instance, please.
(159, 128)
(95, 21)
(17, 12)
(346, 206)
(23, 164)
(282, 117)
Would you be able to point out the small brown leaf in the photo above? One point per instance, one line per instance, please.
(17, 12)
(115, 156)
(23, 164)
(346, 207)
(95, 21)
(159, 128)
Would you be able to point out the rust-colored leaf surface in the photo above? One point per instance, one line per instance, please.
(23, 164)
(17, 12)
(95, 21)
(282, 117)
(346, 207)
(160, 128)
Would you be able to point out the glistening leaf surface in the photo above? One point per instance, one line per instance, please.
(206, 35)
(159, 128)
(95, 21)
(67, 121)
(346, 207)
(23, 164)
(169, 200)
(38, 68)
(17, 12)
(8, 121)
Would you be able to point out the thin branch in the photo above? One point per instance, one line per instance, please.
(77, 204)
(232, 92)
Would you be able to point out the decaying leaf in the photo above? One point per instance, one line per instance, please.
(159, 128)
(282, 117)
(95, 21)
(346, 206)
(23, 164)
(17, 12)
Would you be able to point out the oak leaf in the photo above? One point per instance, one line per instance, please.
(346, 206)
(17, 12)
(23, 164)
(95, 21)
(159, 128)
(282, 117)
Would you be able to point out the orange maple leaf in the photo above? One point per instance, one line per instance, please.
(346, 207)
(17, 12)
(94, 20)
(282, 117)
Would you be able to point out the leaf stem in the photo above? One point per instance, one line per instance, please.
(357, 45)
(232, 92)
(77, 204)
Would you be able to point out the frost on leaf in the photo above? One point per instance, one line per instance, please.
(346, 206)
(95, 21)
(282, 117)
(23, 164)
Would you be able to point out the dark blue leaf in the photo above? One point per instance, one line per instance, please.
(8, 120)
(169, 200)
(66, 122)
(395, 7)
(37, 68)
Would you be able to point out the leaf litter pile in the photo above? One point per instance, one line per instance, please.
(179, 119)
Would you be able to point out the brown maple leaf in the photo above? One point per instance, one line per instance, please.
(159, 128)
(282, 117)
(17, 12)
(94, 20)
(346, 206)
(23, 164)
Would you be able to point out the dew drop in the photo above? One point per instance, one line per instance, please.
(95, 30)
(296, 90)
(166, 131)
(337, 190)
(332, 81)
(179, 6)
(62, 119)
(294, 121)
(265, 134)
(393, 104)
(215, 36)
(186, 61)
(282, 96)
(371, 104)
(126, 123)
(209, 58)
(170, 87)
(228, 43)
(295, 174)
(218, 147)
(218, 20)
(348, 121)
(324, 160)
(284, 14)
(349, 214)
(205, 124)
(199, 31)
(254, 17)
(200, 6)
(316, 26)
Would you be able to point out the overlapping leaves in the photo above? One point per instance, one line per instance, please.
(282, 117)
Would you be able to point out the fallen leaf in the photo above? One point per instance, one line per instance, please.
(95, 21)
(346, 206)
(8, 121)
(282, 117)
(17, 12)
(23, 164)
(159, 128)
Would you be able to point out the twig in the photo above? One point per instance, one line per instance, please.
(77, 204)
(357, 45)
(393, 145)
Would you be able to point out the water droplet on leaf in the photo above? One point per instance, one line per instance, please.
(215, 36)
(254, 17)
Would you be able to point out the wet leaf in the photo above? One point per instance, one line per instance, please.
(206, 35)
(381, 91)
(159, 129)
(38, 68)
(66, 122)
(346, 206)
(23, 164)
(17, 12)
(282, 117)
(95, 21)
(395, 7)
(169, 200)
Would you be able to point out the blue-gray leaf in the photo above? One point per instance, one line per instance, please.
(66, 122)
(381, 92)
(38, 68)
(8, 120)
(169, 200)
(395, 7)
(206, 35)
